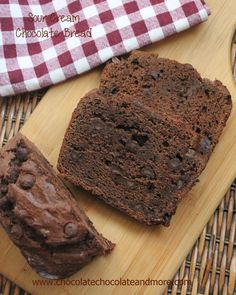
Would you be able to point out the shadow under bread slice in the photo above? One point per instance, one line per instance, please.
(40, 215)
(172, 88)
(139, 161)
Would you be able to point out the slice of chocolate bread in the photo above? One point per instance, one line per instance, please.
(40, 215)
(174, 89)
(135, 159)
(143, 138)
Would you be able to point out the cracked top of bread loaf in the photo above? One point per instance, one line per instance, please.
(40, 215)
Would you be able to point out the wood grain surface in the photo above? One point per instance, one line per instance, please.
(141, 252)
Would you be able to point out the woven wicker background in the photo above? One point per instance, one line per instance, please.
(210, 265)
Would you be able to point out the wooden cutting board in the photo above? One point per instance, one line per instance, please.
(141, 252)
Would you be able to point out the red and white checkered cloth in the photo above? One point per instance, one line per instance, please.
(117, 27)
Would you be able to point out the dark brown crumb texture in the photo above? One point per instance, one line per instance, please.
(40, 215)
(142, 139)
(173, 88)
